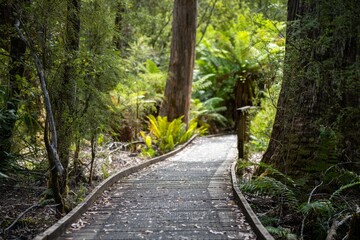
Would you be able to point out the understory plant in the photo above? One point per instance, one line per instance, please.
(287, 214)
(262, 120)
(133, 100)
(239, 61)
(164, 136)
(208, 113)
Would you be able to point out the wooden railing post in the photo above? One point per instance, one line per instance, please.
(242, 129)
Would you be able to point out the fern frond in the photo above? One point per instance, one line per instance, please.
(342, 188)
(320, 207)
(153, 126)
(202, 83)
(270, 187)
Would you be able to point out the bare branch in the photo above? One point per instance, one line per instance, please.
(20, 216)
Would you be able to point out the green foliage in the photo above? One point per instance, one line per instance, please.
(105, 170)
(271, 187)
(246, 50)
(320, 208)
(207, 113)
(272, 9)
(80, 193)
(48, 193)
(285, 193)
(167, 135)
(268, 171)
(151, 19)
(148, 150)
(281, 233)
(139, 93)
(262, 121)
(345, 187)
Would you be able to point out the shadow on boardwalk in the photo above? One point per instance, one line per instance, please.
(188, 196)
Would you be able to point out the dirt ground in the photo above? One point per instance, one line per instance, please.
(23, 212)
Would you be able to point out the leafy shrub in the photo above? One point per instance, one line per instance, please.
(167, 135)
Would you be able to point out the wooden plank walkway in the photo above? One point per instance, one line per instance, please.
(188, 196)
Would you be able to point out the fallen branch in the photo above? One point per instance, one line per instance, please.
(20, 216)
(331, 234)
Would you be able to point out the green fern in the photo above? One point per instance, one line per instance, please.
(208, 112)
(167, 135)
(271, 187)
(146, 138)
(202, 83)
(322, 207)
(268, 171)
(266, 184)
(281, 233)
(342, 188)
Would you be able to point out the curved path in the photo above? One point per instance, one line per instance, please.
(188, 196)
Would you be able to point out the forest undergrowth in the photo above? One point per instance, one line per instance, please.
(24, 209)
(289, 213)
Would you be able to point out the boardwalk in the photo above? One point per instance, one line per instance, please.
(188, 196)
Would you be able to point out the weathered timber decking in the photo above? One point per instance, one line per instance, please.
(188, 196)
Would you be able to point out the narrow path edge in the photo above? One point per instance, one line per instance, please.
(60, 226)
(257, 227)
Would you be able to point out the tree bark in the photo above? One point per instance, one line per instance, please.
(318, 114)
(65, 95)
(178, 86)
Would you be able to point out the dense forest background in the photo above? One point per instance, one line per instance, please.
(82, 78)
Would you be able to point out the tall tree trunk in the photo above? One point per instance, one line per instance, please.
(16, 72)
(318, 114)
(122, 33)
(64, 100)
(181, 66)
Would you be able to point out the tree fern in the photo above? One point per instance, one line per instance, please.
(208, 112)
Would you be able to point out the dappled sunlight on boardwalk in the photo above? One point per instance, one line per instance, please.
(188, 196)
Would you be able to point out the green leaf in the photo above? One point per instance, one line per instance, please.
(151, 67)
(154, 127)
